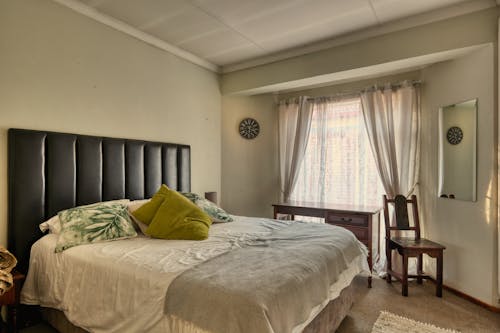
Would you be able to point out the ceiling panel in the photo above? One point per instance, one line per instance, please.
(298, 25)
(87, 2)
(139, 13)
(186, 25)
(317, 32)
(215, 42)
(228, 31)
(236, 55)
(388, 10)
(234, 12)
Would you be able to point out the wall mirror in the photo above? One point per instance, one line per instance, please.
(457, 151)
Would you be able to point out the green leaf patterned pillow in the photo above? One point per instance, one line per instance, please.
(94, 223)
(216, 213)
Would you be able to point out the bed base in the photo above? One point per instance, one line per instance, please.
(327, 321)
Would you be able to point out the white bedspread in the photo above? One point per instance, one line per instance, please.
(121, 286)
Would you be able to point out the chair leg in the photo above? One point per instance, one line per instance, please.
(404, 281)
(419, 268)
(388, 253)
(439, 275)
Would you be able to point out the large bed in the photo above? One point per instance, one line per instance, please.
(250, 275)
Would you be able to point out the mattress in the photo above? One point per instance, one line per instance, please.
(121, 286)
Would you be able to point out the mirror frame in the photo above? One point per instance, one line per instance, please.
(441, 139)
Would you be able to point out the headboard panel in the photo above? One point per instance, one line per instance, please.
(49, 172)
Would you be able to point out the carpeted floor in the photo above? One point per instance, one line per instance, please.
(448, 312)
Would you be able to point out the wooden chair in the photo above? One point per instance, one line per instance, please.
(410, 247)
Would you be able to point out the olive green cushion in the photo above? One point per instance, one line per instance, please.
(146, 212)
(179, 218)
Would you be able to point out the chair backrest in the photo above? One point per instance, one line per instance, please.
(402, 220)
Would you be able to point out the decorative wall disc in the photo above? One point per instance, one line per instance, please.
(249, 128)
(454, 135)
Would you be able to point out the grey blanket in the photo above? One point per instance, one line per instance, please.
(269, 285)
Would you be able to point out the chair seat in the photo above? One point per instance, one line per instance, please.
(416, 244)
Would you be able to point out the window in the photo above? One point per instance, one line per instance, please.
(338, 166)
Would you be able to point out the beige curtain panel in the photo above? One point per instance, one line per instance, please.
(392, 120)
(294, 126)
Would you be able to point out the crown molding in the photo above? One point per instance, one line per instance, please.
(136, 33)
(392, 26)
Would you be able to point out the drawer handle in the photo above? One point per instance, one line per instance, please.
(343, 219)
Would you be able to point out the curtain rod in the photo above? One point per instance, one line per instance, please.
(396, 84)
(346, 94)
(392, 85)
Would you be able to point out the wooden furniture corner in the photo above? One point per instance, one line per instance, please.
(11, 300)
(356, 218)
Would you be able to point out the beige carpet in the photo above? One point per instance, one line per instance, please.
(390, 323)
(450, 311)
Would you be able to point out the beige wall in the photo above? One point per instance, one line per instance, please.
(250, 182)
(467, 229)
(61, 71)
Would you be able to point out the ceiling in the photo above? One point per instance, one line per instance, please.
(224, 32)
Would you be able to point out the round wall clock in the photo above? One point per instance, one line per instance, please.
(249, 128)
(454, 135)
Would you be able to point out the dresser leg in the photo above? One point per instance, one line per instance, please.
(370, 281)
(439, 275)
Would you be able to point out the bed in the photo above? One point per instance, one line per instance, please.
(144, 284)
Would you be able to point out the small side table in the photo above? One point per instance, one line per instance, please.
(11, 300)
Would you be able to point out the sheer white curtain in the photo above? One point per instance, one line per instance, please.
(338, 166)
(294, 127)
(392, 119)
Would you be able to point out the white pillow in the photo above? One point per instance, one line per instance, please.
(134, 205)
(53, 225)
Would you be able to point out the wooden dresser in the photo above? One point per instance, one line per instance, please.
(358, 219)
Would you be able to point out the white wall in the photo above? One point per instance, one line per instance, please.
(250, 181)
(467, 229)
(61, 71)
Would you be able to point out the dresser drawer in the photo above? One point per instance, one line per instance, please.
(347, 219)
(360, 233)
(301, 211)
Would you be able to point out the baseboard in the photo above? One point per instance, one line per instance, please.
(468, 297)
(472, 299)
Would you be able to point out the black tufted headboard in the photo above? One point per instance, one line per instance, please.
(49, 172)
